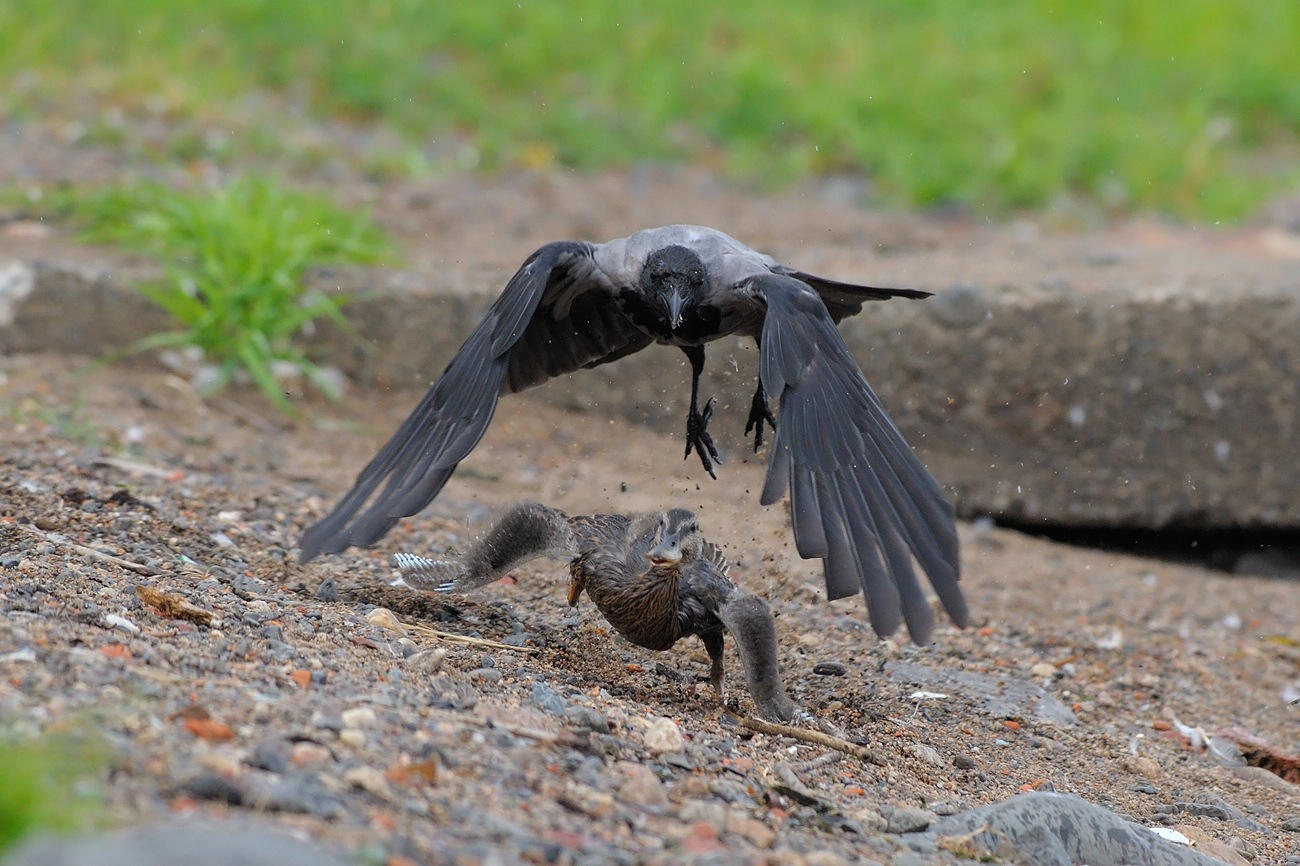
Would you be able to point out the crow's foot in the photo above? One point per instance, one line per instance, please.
(698, 438)
(759, 413)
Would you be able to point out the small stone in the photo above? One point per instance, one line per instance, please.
(752, 830)
(663, 735)
(120, 623)
(353, 738)
(212, 786)
(1142, 766)
(825, 858)
(328, 590)
(428, 660)
(586, 718)
(305, 753)
(386, 619)
(926, 753)
(1207, 844)
(547, 699)
(964, 762)
(909, 819)
(487, 676)
(702, 838)
(358, 717)
(640, 786)
(729, 792)
(830, 669)
(271, 754)
(368, 779)
(870, 820)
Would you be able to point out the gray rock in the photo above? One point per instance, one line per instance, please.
(908, 819)
(213, 845)
(271, 754)
(1060, 830)
(546, 698)
(1002, 697)
(587, 719)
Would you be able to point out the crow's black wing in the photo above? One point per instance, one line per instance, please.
(557, 314)
(846, 299)
(860, 499)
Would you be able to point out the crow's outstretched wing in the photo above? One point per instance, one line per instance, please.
(557, 314)
(860, 499)
(846, 299)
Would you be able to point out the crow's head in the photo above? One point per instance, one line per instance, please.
(678, 539)
(674, 278)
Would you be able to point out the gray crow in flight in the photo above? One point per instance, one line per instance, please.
(861, 501)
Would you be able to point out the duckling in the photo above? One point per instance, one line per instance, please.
(653, 576)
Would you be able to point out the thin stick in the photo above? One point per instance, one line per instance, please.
(460, 638)
(817, 738)
(55, 538)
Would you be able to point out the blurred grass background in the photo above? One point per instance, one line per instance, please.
(1190, 109)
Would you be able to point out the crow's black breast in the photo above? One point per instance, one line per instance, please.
(699, 324)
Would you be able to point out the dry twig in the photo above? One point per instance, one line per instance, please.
(817, 738)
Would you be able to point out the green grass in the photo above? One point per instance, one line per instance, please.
(1192, 110)
(39, 788)
(235, 258)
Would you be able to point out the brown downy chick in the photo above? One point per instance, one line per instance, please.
(653, 577)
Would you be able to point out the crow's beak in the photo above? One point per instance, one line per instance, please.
(676, 303)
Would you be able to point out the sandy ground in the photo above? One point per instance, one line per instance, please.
(1126, 651)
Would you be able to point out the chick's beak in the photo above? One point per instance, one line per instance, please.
(666, 552)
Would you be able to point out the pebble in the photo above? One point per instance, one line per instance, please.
(368, 779)
(752, 830)
(926, 753)
(585, 718)
(964, 762)
(1142, 766)
(729, 791)
(487, 676)
(120, 623)
(870, 820)
(830, 669)
(353, 738)
(909, 819)
(305, 753)
(386, 619)
(208, 785)
(640, 786)
(663, 735)
(430, 661)
(824, 858)
(547, 699)
(358, 717)
(272, 754)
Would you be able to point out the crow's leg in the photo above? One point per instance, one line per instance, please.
(697, 422)
(759, 411)
(713, 646)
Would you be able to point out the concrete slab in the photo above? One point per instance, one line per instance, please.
(1150, 380)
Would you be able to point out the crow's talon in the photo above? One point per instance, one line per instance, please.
(698, 438)
(759, 412)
